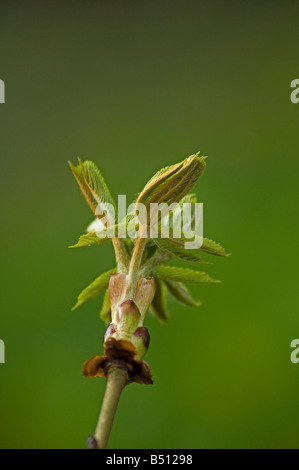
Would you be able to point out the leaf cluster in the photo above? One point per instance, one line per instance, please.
(171, 184)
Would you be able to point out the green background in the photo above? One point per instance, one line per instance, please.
(136, 86)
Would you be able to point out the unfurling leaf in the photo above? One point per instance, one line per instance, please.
(209, 246)
(105, 313)
(172, 248)
(158, 305)
(98, 285)
(89, 239)
(95, 238)
(95, 190)
(173, 273)
(181, 293)
(206, 245)
(174, 218)
(172, 183)
(189, 198)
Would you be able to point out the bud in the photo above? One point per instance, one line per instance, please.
(126, 336)
(128, 319)
(144, 294)
(172, 183)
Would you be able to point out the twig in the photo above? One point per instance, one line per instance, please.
(117, 379)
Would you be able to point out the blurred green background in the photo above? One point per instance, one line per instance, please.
(136, 86)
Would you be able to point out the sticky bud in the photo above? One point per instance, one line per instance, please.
(117, 286)
(128, 318)
(144, 294)
(143, 333)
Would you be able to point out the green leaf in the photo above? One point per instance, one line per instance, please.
(173, 249)
(105, 313)
(98, 285)
(159, 176)
(181, 293)
(95, 238)
(88, 239)
(172, 183)
(209, 246)
(174, 218)
(173, 273)
(189, 198)
(158, 305)
(94, 188)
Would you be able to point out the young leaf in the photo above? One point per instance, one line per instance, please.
(98, 285)
(169, 246)
(208, 246)
(181, 293)
(173, 273)
(94, 188)
(89, 239)
(190, 198)
(157, 178)
(174, 219)
(101, 236)
(158, 305)
(105, 313)
(172, 183)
